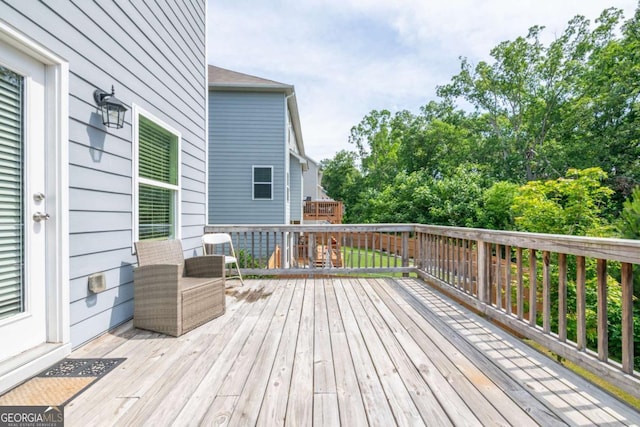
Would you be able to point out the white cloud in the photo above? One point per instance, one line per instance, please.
(347, 57)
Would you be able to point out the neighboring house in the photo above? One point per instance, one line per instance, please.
(256, 151)
(57, 158)
(313, 182)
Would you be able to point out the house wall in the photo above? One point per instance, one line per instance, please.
(311, 184)
(155, 57)
(296, 189)
(245, 129)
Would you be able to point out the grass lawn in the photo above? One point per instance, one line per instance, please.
(368, 258)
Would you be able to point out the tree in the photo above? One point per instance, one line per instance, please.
(540, 110)
(342, 181)
(603, 128)
(457, 197)
(377, 148)
(571, 205)
(437, 140)
(540, 105)
(340, 175)
(495, 211)
(629, 223)
(405, 200)
(628, 226)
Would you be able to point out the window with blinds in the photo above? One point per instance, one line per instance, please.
(11, 193)
(158, 170)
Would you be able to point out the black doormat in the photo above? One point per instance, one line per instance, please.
(81, 368)
(60, 383)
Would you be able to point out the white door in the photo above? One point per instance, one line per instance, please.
(22, 200)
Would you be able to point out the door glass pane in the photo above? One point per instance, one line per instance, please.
(11, 193)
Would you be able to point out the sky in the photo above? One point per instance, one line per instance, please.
(349, 57)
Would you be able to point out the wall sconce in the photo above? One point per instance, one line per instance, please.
(111, 107)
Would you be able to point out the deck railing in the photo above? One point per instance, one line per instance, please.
(544, 287)
(323, 210)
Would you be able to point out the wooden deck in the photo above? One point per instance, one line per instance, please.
(332, 352)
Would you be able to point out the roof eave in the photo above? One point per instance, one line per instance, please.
(288, 89)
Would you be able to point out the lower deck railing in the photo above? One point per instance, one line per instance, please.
(573, 295)
(323, 210)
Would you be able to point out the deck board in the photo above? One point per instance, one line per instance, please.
(352, 411)
(274, 403)
(337, 351)
(569, 397)
(253, 390)
(375, 401)
(324, 380)
(461, 387)
(380, 350)
(507, 394)
(300, 404)
(224, 371)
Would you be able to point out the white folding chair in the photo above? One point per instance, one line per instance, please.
(211, 240)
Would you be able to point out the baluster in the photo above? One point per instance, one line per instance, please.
(520, 284)
(562, 297)
(546, 293)
(508, 302)
(498, 277)
(581, 304)
(603, 328)
(627, 318)
(533, 287)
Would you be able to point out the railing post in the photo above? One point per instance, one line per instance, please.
(581, 323)
(405, 251)
(546, 292)
(311, 250)
(484, 265)
(533, 288)
(562, 297)
(627, 318)
(603, 331)
(286, 250)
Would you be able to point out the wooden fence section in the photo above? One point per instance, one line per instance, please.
(545, 287)
(390, 242)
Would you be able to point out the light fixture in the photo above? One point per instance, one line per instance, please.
(111, 107)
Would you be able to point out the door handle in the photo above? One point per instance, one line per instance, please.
(39, 216)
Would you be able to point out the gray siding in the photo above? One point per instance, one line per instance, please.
(245, 129)
(154, 55)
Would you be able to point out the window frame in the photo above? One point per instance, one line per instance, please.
(253, 181)
(137, 111)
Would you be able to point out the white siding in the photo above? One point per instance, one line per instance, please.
(311, 181)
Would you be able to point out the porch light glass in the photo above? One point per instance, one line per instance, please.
(112, 109)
